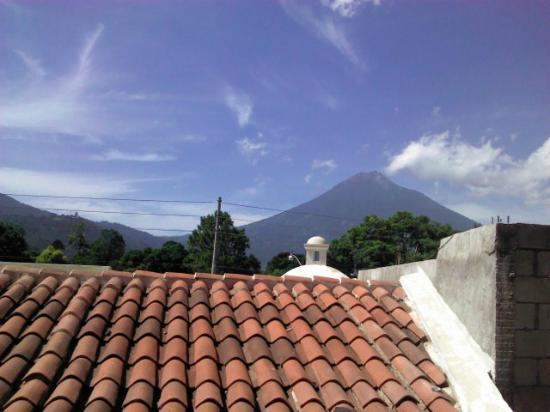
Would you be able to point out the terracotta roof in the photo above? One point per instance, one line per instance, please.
(176, 342)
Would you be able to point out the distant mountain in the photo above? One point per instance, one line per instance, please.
(361, 195)
(43, 227)
(329, 215)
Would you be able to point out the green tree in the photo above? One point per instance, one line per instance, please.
(51, 255)
(133, 259)
(378, 242)
(108, 248)
(280, 264)
(79, 245)
(171, 257)
(13, 246)
(232, 246)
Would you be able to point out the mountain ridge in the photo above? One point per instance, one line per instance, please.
(330, 214)
(362, 194)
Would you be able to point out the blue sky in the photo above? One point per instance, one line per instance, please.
(273, 102)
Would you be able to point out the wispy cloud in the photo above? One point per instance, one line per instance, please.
(436, 111)
(12, 180)
(252, 149)
(191, 138)
(240, 104)
(324, 28)
(325, 166)
(14, 7)
(32, 64)
(58, 105)
(330, 101)
(481, 169)
(114, 154)
(348, 8)
(260, 183)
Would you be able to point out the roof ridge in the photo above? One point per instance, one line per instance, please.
(41, 272)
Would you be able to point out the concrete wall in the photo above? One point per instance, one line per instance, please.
(466, 267)
(393, 273)
(464, 275)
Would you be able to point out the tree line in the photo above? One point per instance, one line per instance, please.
(376, 242)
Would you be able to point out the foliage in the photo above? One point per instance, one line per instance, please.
(378, 242)
(13, 246)
(280, 264)
(108, 248)
(79, 245)
(232, 246)
(51, 255)
(169, 258)
(133, 259)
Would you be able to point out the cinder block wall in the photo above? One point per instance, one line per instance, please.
(527, 249)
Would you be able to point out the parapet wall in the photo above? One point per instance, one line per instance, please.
(464, 276)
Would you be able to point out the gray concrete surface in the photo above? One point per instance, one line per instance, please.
(466, 279)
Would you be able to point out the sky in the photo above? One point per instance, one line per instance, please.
(271, 103)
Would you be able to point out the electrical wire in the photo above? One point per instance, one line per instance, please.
(235, 204)
(112, 198)
(117, 212)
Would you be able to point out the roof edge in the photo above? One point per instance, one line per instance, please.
(453, 348)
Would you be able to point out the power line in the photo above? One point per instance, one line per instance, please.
(257, 207)
(112, 198)
(292, 212)
(117, 212)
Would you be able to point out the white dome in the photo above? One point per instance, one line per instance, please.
(317, 241)
(316, 270)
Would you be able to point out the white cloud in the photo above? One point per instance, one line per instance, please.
(483, 170)
(326, 166)
(32, 64)
(240, 104)
(114, 154)
(324, 28)
(252, 148)
(14, 180)
(347, 8)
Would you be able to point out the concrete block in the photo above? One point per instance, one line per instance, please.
(525, 372)
(532, 236)
(525, 316)
(529, 399)
(543, 263)
(524, 262)
(532, 289)
(544, 317)
(544, 372)
(533, 343)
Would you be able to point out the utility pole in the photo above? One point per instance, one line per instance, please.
(216, 230)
